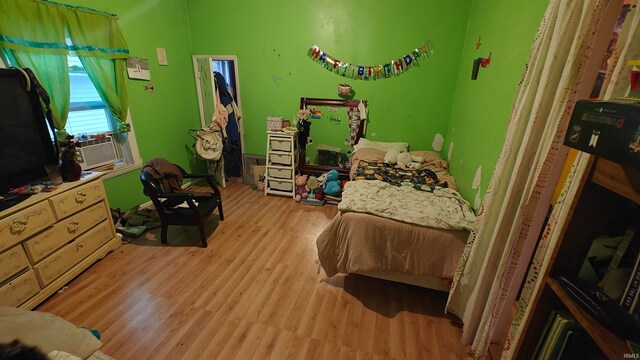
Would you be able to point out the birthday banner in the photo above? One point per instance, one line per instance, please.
(371, 72)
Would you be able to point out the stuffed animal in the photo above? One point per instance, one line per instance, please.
(332, 185)
(322, 179)
(391, 157)
(406, 161)
(302, 190)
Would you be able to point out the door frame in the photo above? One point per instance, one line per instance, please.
(234, 59)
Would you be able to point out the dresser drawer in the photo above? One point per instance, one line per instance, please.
(19, 290)
(281, 185)
(25, 223)
(279, 172)
(280, 144)
(64, 259)
(283, 159)
(11, 262)
(61, 233)
(77, 199)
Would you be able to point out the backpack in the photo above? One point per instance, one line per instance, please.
(208, 145)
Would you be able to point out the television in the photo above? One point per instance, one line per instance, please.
(26, 145)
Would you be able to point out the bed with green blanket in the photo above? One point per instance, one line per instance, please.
(405, 225)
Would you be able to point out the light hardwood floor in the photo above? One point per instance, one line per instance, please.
(255, 293)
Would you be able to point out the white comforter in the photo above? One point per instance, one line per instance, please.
(442, 209)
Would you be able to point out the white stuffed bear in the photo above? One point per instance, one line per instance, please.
(391, 157)
(404, 159)
(407, 161)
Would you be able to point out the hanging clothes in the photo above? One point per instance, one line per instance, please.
(220, 117)
(232, 151)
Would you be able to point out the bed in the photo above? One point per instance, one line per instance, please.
(52, 335)
(410, 232)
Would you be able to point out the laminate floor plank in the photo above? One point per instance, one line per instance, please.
(255, 292)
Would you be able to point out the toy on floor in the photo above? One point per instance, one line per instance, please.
(332, 184)
(302, 190)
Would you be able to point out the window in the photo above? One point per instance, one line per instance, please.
(48, 37)
(88, 115)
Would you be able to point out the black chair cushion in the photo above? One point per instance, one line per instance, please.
(206, 206)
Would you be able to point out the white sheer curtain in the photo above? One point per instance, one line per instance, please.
(628, 48)
(560, 62)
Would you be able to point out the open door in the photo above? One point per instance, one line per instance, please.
(205, 85)
(206, 89)
(221, 72)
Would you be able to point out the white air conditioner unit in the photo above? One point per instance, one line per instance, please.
(96, 152)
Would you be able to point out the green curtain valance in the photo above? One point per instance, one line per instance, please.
(40, 27)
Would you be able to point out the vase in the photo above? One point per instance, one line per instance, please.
(71, 170)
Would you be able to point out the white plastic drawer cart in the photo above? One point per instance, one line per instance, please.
(282, 149)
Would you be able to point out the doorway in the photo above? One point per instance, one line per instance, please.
(220, 73)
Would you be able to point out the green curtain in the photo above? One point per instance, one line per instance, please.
(34, 26)
(52, 72)
(102, 57)
(94, 34)
(108, 77)
(33, 34)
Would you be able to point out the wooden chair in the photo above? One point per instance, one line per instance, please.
(200, 205)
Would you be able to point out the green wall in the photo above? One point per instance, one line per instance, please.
(160, 119)
(481, 108)
(271, 39)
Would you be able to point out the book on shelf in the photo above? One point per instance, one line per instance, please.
(630, 297)
(563, 338)
(622, 248)
(544, 334)
(629, 300)
(562, 324)
(601, 252)
(616, 280)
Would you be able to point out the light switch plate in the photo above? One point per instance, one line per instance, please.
(162, 56)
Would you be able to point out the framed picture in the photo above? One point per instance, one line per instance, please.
(138, 68)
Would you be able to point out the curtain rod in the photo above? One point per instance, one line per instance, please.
(80, 8)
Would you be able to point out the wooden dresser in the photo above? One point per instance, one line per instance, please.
(48, 239)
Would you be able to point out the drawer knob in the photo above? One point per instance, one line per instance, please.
(18, 226)
(79, 246)
(73, 226)
(81, 197)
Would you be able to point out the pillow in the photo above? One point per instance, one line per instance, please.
(46, 331)
(366, 154)
(381, 145)
(369, 154)
(427, 155)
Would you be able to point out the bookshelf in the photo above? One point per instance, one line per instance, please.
(607, 193)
